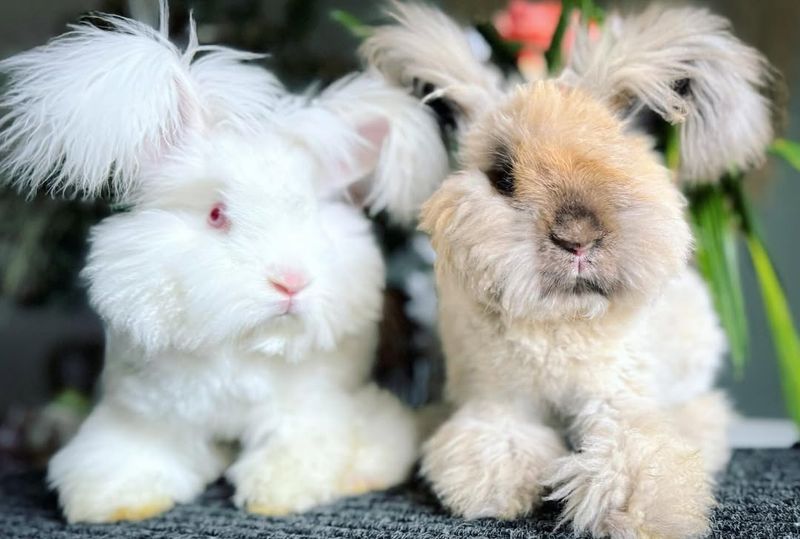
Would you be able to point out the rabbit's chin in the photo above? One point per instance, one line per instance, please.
(515, 297)
(291, 337)
(570, 306)
(290, 348)
(555, 307)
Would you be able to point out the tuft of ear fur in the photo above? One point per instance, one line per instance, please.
(385, 138)
(427, 51)
(233, 90)
(82, 113)
(685, 65)
(90, 104)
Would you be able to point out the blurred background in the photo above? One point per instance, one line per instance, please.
(50, 341)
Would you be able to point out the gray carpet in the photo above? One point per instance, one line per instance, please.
(759, 498)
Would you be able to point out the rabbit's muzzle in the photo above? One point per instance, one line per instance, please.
(576, 230)
(574, 259)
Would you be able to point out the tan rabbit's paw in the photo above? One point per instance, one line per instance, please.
(488, 464)
(653, 488)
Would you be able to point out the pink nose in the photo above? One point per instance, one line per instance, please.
(289, 283)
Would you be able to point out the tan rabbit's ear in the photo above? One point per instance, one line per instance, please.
(685, 65)
(429, 54)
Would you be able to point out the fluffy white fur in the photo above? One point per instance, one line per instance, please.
(58, 128)
(201, 349)
(725, 121)
(412, 159)
(583, 374)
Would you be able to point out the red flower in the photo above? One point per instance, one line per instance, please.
(531, 23)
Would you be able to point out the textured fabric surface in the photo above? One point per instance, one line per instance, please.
(759, 498)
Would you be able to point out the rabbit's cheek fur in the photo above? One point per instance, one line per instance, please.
(165, 276)
(484, 242)
(175, 286)
(549, 229)
(502, 252)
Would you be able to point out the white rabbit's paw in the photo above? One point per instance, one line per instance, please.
(94, 501)
(142, 511)
(91, 489)
(285, 478)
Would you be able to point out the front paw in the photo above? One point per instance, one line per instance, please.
(100, 482)
(101, 499)
(293, 476)
(489, 468)
(648, 489)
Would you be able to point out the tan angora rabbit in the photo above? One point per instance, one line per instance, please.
(241, 290)
(581, 348)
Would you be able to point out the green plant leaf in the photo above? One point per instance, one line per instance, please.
(672, 146)
(589, 12)
(504, 52)
(352, 23)
(553, 54)
(714, 227)
(73, 400)
(784, 333)
(785, 338)
(788, 150)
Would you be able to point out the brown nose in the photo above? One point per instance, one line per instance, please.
(576, 229)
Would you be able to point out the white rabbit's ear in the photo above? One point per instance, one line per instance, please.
(231, 89)
(685, 65)
(81, 113)
(382, 137)
(428, 53)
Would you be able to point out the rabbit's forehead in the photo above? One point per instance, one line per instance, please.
(556, 139)
(259, 164)
(546, 111)
(244, 171)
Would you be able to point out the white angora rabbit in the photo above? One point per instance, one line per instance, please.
(241, 290)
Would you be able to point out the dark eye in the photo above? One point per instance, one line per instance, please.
(217, 218)
(683, 87)
(501, 173)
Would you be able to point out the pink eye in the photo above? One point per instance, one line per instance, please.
(217, 217)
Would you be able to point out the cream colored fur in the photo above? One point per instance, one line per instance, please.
(645, 464)
(435, 51)
(581, 347)
(638, 61)
(605, 401)
(634, 475)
